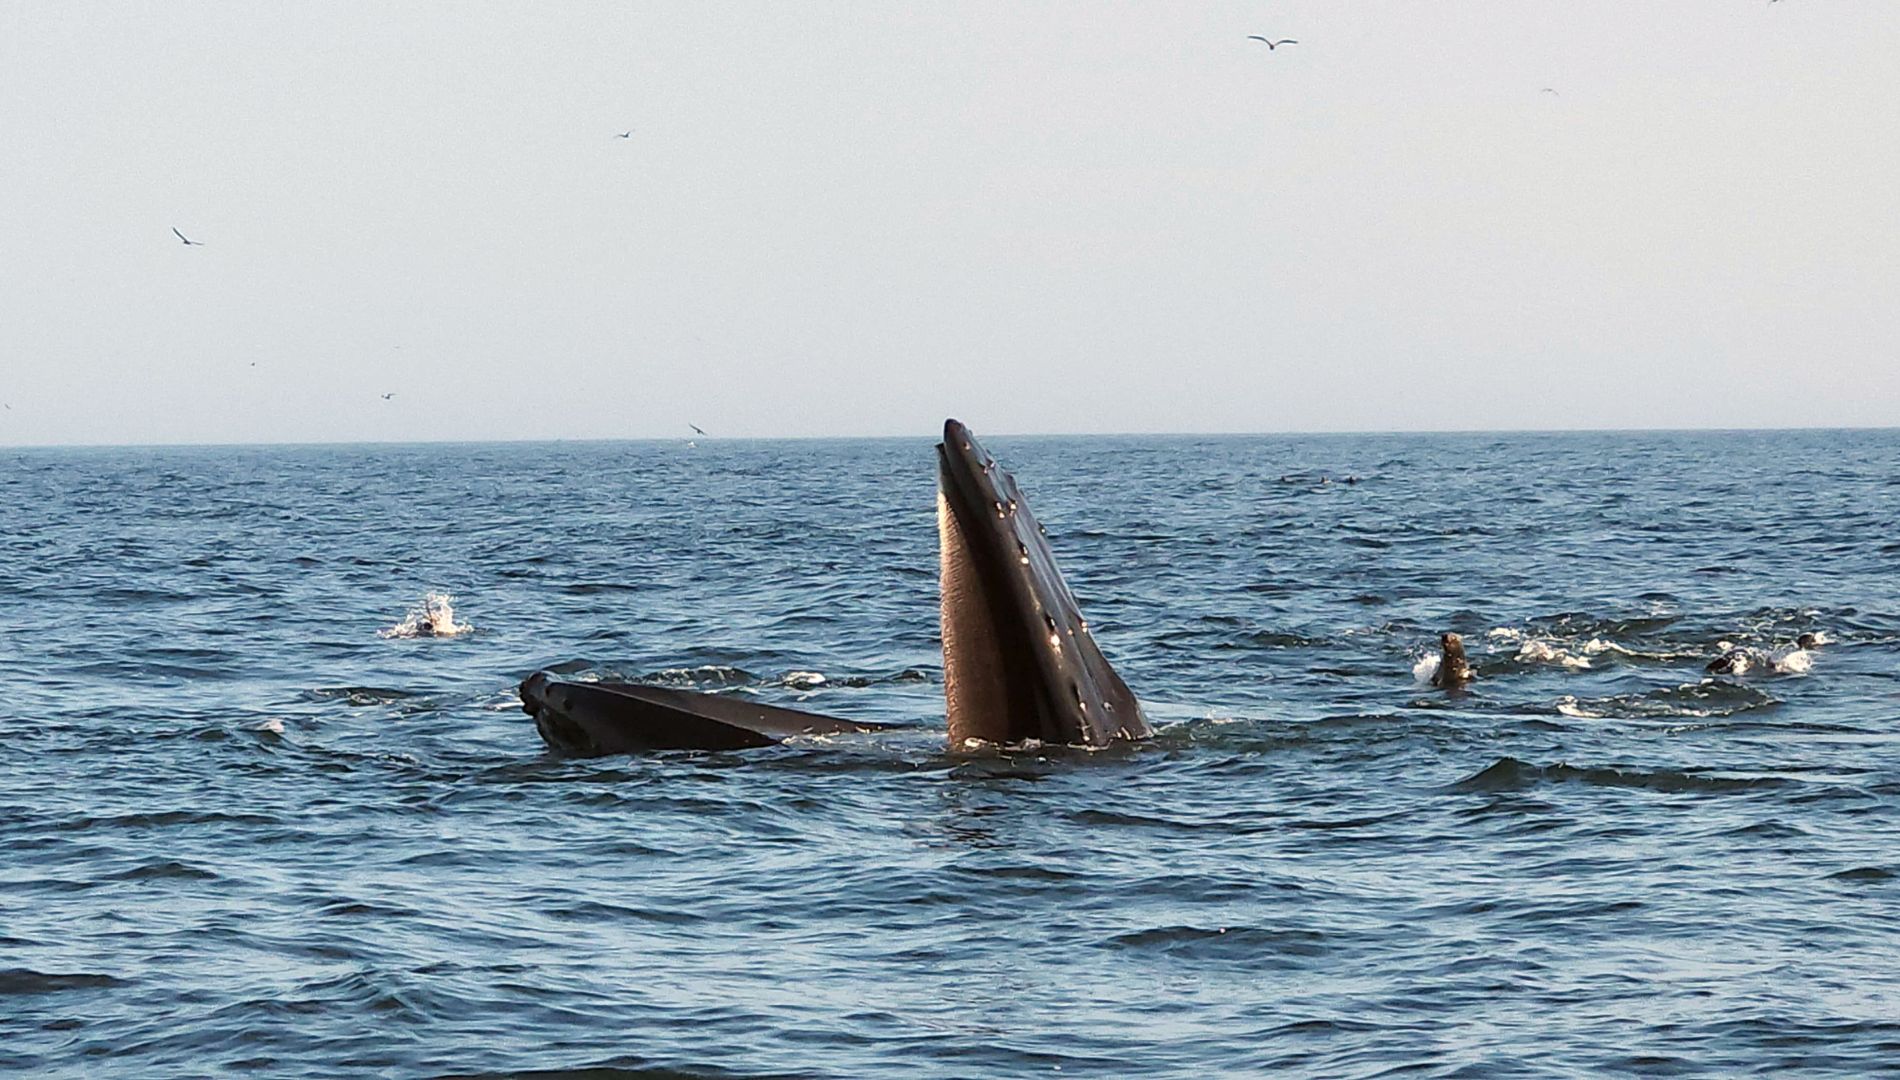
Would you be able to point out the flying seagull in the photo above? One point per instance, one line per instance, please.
(1271, 45)
(697, 428)
(386, 397)
(627, 134)
(188, 241)
(1548, 90)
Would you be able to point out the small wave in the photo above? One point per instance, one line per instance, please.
(595, 588)
(1865, 873)
(18, 981)
(693, 678)
(1239, 942)
(1510, 774)
(1710, 697)
(169, 869)
(1580, 624)
(360, 695)
(433, 618)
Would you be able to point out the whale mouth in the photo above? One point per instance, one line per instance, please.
(1019, 662)
(1018, 659)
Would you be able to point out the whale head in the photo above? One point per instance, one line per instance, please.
(1019, 661)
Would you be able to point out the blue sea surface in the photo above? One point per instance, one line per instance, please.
(245, 829)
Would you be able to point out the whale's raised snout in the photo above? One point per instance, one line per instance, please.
(1019, 662)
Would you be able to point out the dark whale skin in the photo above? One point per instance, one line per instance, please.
(594, 719)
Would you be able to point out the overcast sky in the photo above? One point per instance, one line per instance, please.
(856, 219)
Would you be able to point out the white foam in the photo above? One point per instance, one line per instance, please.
(1536, 651)
(1569, 706)
(804, 680)
(434, 617)
(274, 726)
(1794, 662)
(1505, 633)
(1427, 667)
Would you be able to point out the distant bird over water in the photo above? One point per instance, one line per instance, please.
(627, 134)
(188, 241)
(1549, 90)
(1271, 44)
(386, 397)
(697, 428)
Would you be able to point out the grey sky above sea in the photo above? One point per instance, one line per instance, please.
(857, 219)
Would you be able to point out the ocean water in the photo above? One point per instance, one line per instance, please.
(249, 826)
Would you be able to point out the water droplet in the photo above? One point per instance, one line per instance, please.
(1022, 553)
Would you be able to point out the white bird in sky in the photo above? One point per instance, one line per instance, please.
(188, 241)
(1271, 45)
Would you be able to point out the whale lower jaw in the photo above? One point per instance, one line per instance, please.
(592, 719)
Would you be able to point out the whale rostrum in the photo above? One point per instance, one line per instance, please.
(1019, 662)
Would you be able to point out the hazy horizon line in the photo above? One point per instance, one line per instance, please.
(1000, 434)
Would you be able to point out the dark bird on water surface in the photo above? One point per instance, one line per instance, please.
(1270, 43)
(188, 241)
(697, 428)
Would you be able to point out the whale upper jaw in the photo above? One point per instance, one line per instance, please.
(1019, 662)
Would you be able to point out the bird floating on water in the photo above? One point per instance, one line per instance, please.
(1270, 43)
(188, 241)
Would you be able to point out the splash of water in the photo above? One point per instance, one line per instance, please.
(1538, 651)
(434, 617)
